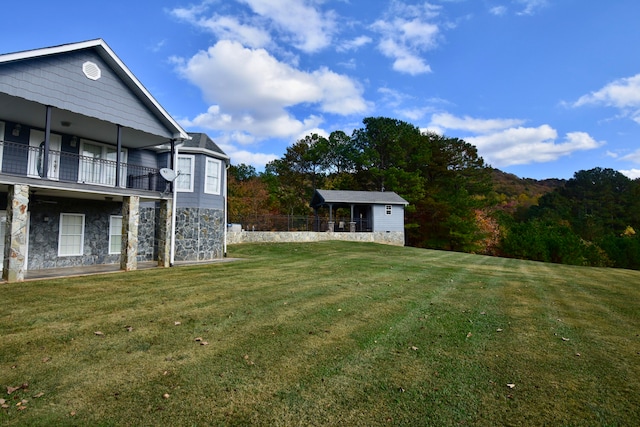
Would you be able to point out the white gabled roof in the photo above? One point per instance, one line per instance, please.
(109, 56)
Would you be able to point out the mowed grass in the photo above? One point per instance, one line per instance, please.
(330, 333)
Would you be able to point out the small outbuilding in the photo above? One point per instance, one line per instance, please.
(360, 211)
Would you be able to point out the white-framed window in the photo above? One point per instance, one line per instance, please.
(71, 236)
(184, 182)
(387, 209)
(115, 234)
(98, 164)
(212, 176)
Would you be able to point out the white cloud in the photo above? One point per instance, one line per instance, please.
(354, 44)
(449, 121)
(531, 6)
(250, 91)
(296, 22)
(257, 160)
(504, 142)
(405, 33)
(498, 10)
(633, 157)
(310, 29)
(521, 146)
(631, 173)
(623, 94)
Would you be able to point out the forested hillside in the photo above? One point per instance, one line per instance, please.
(457, 202)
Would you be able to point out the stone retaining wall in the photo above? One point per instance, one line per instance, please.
(389, 238)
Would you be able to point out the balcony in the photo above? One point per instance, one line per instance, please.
(28, 161)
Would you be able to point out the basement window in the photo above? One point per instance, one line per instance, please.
(71, 237)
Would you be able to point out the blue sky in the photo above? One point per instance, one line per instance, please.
(543, 88)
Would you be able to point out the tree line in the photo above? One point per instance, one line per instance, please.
(456, 200)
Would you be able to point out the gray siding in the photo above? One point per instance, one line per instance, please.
(198, 198)
(384, 222)
(58, 81)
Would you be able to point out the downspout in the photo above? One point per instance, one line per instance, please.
(174, 163)
(226, 208)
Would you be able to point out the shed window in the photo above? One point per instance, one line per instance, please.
(387, 209)
(71, 237)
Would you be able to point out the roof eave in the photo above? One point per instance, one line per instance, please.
(107, 54)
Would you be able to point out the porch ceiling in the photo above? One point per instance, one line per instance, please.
(20, 110)
(44, 189)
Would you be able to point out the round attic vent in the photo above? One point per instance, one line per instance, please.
(91, 70)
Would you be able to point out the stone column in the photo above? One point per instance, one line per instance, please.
(16, 238)
(130, 221)
(164, 233)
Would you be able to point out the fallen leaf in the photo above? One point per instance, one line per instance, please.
(98, 333)
(198, 339)
(204, 343)
(2, 401)
(129, 328)
(72, 413)
(414, 348)
(565, 339)
(578, 354)
(12, 389)
(499, 330)
(469, 335)
(339, 309)
(46, 359)
(38, 395)
(511, 385)
(165, 396)
(176, 323)
(483, 313)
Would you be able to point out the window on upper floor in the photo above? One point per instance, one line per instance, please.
(387, 209)
(184, 182)
(212, 176)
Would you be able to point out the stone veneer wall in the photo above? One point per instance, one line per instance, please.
(199, 234)
(389, 238)
(43, 235)
(147, 246)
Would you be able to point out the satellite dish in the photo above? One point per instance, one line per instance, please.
(168, 174)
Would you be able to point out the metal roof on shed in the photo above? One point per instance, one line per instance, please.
(321, 197)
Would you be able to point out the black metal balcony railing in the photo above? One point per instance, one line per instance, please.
(24, 160)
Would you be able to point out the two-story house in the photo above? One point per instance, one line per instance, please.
(93, 170)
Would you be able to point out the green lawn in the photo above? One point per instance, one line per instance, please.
(330, 333)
